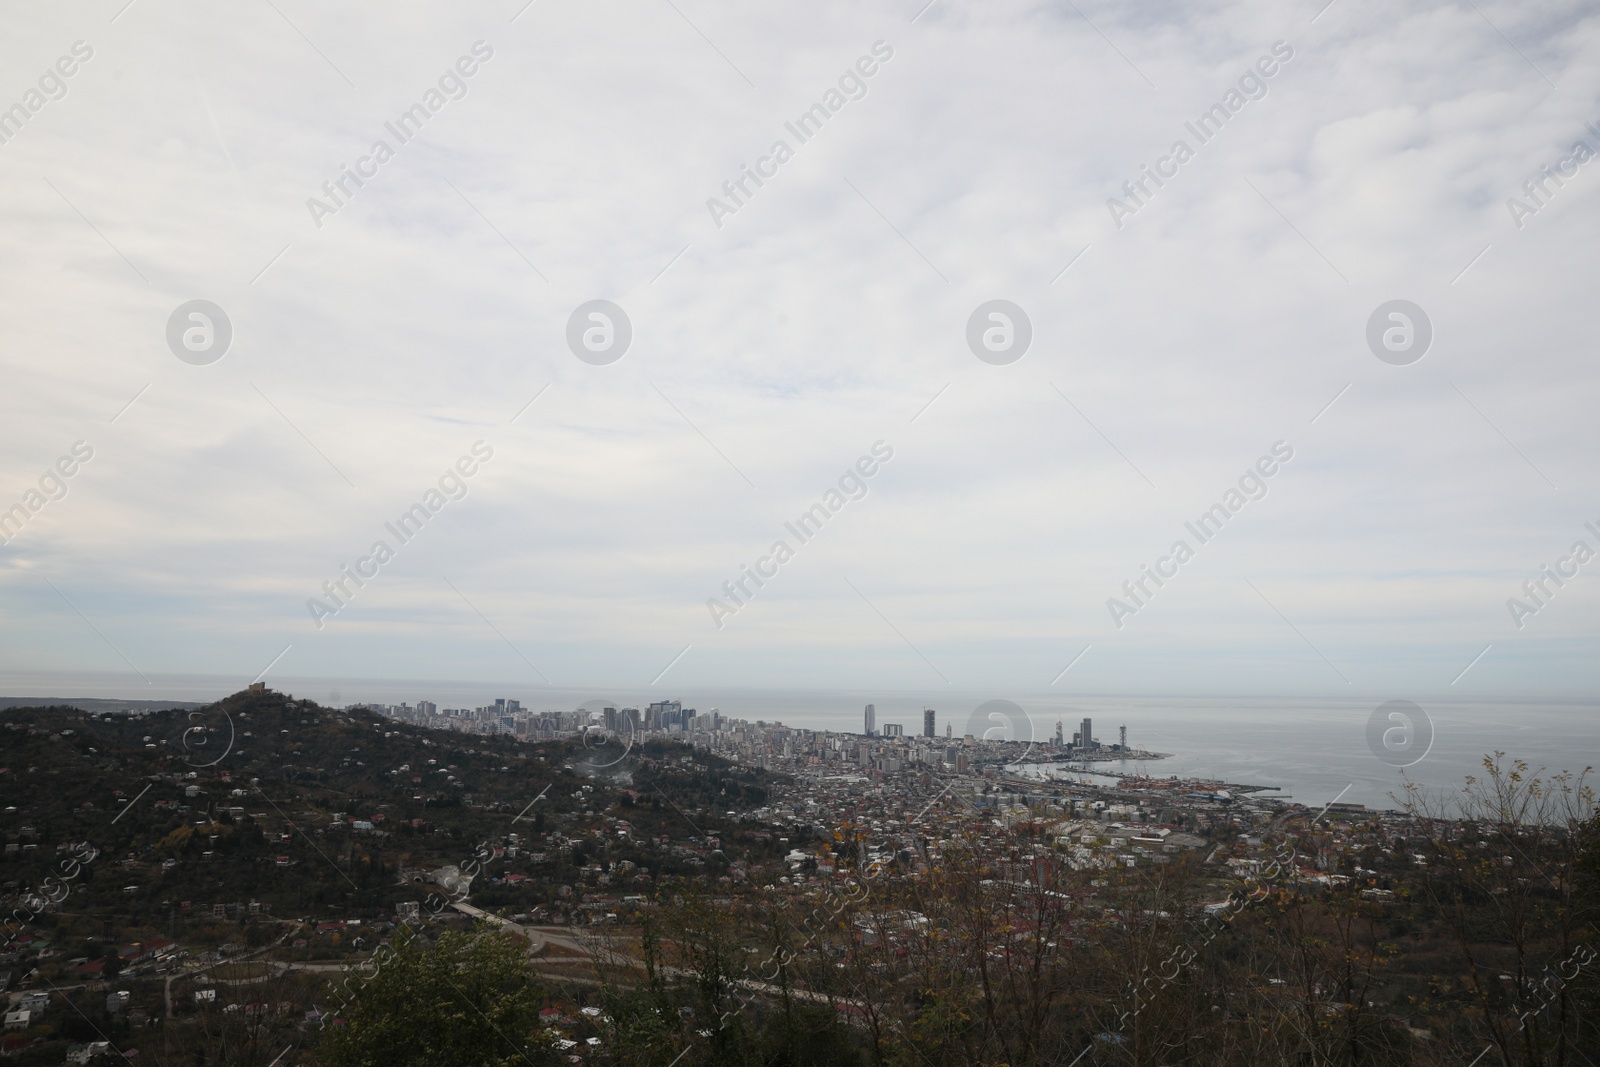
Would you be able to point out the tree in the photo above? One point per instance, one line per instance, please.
(1504, 874)
(469, 1000)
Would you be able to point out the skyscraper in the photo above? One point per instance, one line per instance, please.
(872, 721)
(663, 713)
(1086, 732)
(927, 723)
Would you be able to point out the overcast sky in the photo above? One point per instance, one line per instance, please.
(1176, 339)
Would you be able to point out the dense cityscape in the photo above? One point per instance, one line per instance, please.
(881, 747)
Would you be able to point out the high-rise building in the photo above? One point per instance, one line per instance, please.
(872, 721)
(662, 714)
(893, 729)
(927, 723)
(1086, 733)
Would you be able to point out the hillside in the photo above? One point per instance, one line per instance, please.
(304, 810)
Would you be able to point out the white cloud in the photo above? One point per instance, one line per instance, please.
(820, 318)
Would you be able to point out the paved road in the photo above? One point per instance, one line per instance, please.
(538, 936)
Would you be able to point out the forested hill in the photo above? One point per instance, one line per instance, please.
(261, 797)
